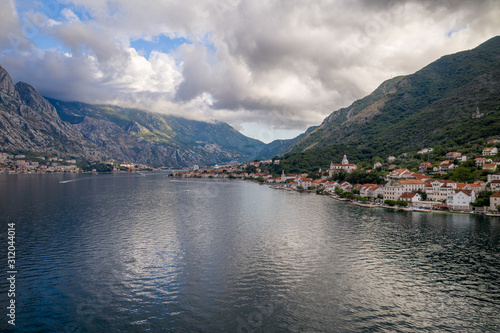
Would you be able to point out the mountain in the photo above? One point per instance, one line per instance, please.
(29, 123)
(433, 106)
(190, 141)
(32, 123)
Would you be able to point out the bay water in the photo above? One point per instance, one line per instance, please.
(132, 253)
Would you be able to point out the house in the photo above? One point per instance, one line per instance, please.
(472, 187)
(482, 161)
(330, 186)
(345, 165)
(318, 183)
(425, 150)
(410, 197)
(453, 155)
(424, 166)
(491, 167)
(366, 190)
(392, 167)
(447, 166)
(461, 199)
(495, 185)
(488, 151)
(400, 173)
(494, 141)
(377, 165)
(345, 186)
(305, 182)
(439, 190)
(482, 185)
(420, 176)
(393, 190)
(493, 177)
(375, 190)
(495, 201)
(391, 159)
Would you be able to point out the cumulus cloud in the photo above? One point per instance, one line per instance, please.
(282, 64)
(11, 35)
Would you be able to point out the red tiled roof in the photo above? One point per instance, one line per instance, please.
(410, 181)
(408, 195)
(468, 192)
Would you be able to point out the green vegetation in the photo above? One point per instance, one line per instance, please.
(431, 108)
(99, 167)
(392, 203)
(483, 199)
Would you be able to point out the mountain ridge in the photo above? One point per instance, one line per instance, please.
(31, 123)
(461, 82)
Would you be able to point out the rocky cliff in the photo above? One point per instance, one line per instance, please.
(31, 123)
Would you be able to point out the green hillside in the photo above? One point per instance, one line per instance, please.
(405, 114)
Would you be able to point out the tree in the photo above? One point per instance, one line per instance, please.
(402, 203)
(251, 169)
(423, 194)
(483, 199)
(462, 174)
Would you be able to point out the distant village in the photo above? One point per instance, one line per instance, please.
(403, 189)
(22, 164)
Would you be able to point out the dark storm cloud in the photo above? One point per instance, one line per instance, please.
(290, 61)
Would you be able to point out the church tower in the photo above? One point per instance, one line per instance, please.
(344, 160)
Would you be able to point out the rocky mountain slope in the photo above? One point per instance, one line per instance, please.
(31, 123)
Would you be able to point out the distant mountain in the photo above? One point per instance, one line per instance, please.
(31, 123)
(433, 106)
(194, 142)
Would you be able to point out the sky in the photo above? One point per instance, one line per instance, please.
(269, 68)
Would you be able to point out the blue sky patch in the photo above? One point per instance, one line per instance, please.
(160, 43)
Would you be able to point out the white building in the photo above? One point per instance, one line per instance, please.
(411, 197)
(490, 151)
(439, 190)
(493, 177)
(346, 166)
(394, 190)
(495, 201)
(461, 199)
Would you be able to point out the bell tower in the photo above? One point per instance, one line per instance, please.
(344, 160)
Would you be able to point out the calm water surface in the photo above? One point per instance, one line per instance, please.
(127, 253)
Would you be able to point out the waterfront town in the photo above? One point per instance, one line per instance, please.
(23, 164)
(403, 188)
(428, 188)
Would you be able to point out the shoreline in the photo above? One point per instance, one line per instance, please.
(384, 206)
